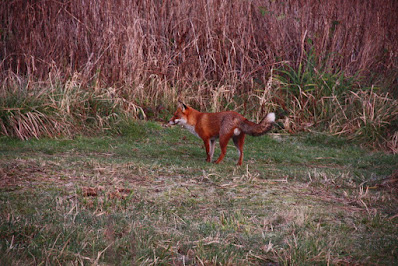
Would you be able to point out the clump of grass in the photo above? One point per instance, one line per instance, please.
(25, 114)
(315, 97)
(313, 77)
(305, 91)
(60, 109)
(368, 117)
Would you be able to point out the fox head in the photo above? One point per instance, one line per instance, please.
(181, 115)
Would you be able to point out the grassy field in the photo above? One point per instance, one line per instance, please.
(148, 197)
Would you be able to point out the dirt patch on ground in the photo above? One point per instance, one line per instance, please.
(31, 172)
(22, 172)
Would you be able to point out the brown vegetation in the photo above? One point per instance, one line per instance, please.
(132, 42)
(217, 55)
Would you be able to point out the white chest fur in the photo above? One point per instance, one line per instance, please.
(189, 127)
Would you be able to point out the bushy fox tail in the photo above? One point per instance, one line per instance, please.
(259, 129)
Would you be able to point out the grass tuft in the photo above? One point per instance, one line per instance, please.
(62, 110)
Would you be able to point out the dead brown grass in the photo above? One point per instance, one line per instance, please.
(237, 42)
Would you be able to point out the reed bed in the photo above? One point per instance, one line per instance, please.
(129, 43)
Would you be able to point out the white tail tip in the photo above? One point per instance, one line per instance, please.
(270, 117)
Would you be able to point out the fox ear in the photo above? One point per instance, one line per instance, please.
(183, 105)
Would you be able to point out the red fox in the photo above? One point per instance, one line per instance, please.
(222, 125)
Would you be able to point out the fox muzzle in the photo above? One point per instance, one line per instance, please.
(172, 122)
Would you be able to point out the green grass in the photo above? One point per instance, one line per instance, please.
(148, 197)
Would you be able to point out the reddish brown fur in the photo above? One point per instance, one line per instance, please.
(222, 125)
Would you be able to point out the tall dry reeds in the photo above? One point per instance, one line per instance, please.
(132, 42)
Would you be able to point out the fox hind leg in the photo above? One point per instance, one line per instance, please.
(209, 145)
(239, 140)
(212, 146)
